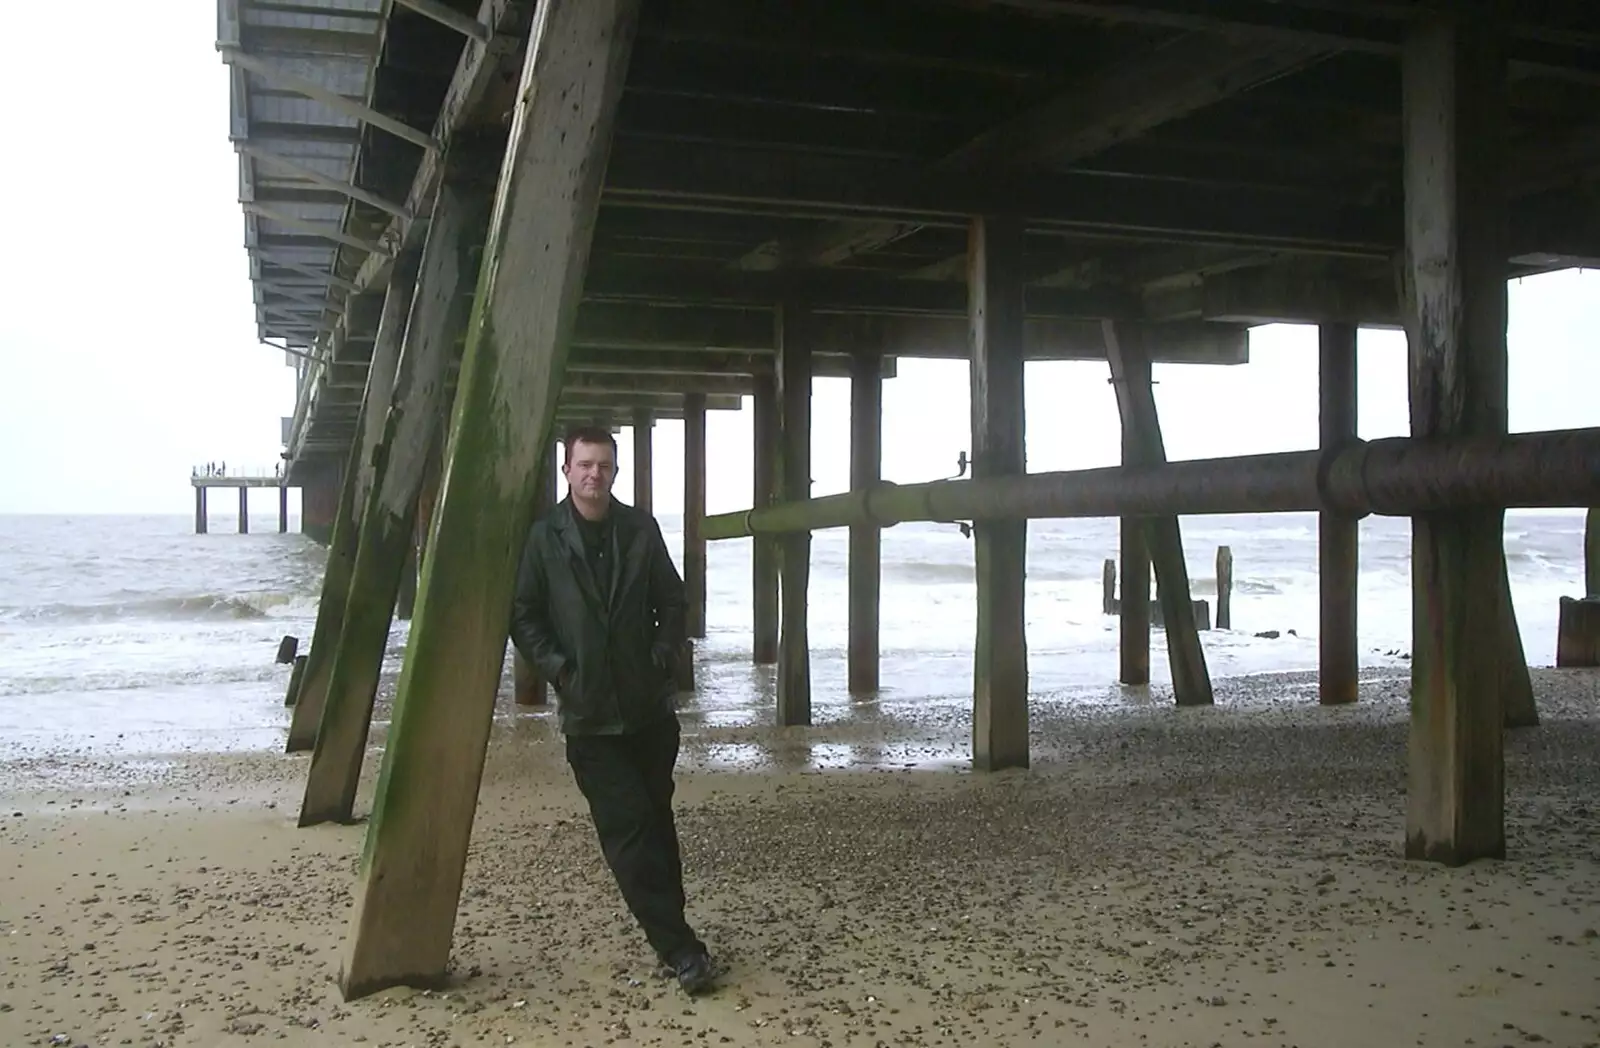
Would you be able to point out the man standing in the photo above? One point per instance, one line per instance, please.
(599, 609)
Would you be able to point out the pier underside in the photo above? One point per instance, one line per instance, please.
(709, 199)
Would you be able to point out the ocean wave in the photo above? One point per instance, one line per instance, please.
(202, 607)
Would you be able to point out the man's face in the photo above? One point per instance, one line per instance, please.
(590, 469)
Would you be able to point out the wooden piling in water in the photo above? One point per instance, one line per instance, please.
(995, 279)
(764, 548)
(1141, 428)
(436, 318)
(1338, 535)
(1224, 588)
(200, 517)
(794, 548)
(1454, 127)
(1108, 587)
(533, 271)
(694, 514)
(866, 468)
(283, 510)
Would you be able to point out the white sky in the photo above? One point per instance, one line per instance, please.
(128, 350)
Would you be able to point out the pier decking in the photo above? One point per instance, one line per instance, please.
(709, 199)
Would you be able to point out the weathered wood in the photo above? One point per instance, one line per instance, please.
(1141, 428)
(1108, 587)
(1578, 632)
(346, 538)
(296, 674)
(644, 424)
(1591, 552)
(437, 318)
(866, 468)
(288, 647)
(532, 276)
(794, 549)
(1133, 633)
(764, 548)
(1224, 588)
(694, 513)
(283, 510)
(995, 278)
(405, 604)
(1454, 91)
(244, 511)
(1338, 536)
(200, 520)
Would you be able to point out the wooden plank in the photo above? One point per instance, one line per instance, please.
(411, 869)
(1000, 663)
(794, 550)
(359, 475)
(866, 469)
(1224, 588)
(1338, 536)
(1591, 553)
(694, 512)
(1454, 76)
(437, 319)
(644, 426)
(1141, 427)
(768, 435)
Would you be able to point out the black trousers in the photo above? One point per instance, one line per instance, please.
(627, 780)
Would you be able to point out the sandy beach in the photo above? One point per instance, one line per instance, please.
(1160, 877)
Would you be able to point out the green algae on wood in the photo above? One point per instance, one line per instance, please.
(528, 290)
(438, 317)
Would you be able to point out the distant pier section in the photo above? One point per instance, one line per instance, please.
(204, 478)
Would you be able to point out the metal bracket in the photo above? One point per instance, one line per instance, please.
(962, 462)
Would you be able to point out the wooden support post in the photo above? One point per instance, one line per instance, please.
(1591, 553)
(409, 884)
(1454, 120)
(1141, 436)
(200, 516)
(764, 549)
(405, 604)
(529, 687)
(1108, 587)
(295, 676)
(794, 549)
(1578, 632)
(1338, 536)
(1224, 588)
(437, 318)
(644, 423)
(866, 469)
(694, 512)
(357, 480)
(995, 278)
(283, 510)
(244, 510)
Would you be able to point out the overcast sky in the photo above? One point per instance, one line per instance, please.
(127, 339)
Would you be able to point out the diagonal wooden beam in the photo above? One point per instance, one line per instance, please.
(1114, 104)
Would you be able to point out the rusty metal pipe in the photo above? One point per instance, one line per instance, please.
(1400, 476)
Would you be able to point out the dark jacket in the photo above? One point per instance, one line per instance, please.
(611, 644)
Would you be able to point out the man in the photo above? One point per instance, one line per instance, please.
(599, 609)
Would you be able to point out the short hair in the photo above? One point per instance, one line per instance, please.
(587, 435)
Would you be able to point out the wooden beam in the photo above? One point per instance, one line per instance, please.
(1120, 101)
(449, 17)
(333, 100)
(436, 319)
(866, 469)
(600, 364)
(1455, 125)
(768, 435)
(308, 174)
(1338, 536)
(644, 425)
(694, 511)
(360, 475)
(794, 551)
(410, 877)
(1130, 377)
(1281, 294)
(318, 229)
(1000, 663)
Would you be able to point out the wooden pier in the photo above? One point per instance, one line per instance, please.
(204, 481)
(713, 199)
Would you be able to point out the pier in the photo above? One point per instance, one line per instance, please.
(715, 200)
(205, 479)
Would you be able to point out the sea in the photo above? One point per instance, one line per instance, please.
(130, 635)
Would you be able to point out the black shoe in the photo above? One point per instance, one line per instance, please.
(694, 972)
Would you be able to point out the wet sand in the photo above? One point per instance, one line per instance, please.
(1160, 877)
